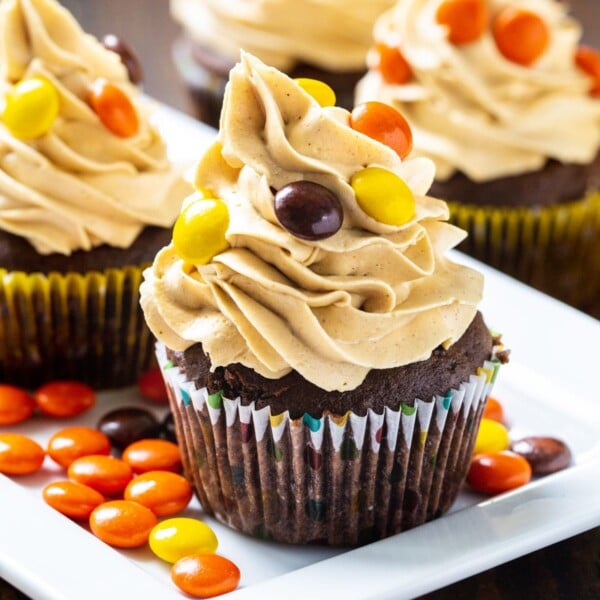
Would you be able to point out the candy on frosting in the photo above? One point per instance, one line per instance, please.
(473, 110)
(330, 34)
(370, 296)
(79, 185)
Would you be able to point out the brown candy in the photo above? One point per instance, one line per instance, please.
(123, 426)
(127, 55)
(308, 210)
(545, 454)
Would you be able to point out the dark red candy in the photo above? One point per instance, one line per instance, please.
(308, 210)
(124, 426)
(127, 55)
(545, 454)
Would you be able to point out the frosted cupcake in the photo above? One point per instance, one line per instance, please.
(88, 196)
(326, 363)
(505, 102)
(316, 39)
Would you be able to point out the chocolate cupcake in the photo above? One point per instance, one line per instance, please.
(89, 196)
(505, 104)
(315, 39)
(326, 364)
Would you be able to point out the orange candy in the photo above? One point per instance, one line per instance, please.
(163, 492)
(205, 575)
(152, 386)
(384, 124)
(588, 60)
(391, 64)
(72, 499)
(122, 523)
(493, 410)
(106, 474)
(498, 472)
(19, 455)
(466, 20)
(64, 398)
(153, 455)
(16, 405)
(521, 36)
(113, 107)
(72, 443)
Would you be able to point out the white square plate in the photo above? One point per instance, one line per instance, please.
(546, 389)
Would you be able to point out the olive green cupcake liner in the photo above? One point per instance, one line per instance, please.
(87, 327)
(555, 249)
(341, 480)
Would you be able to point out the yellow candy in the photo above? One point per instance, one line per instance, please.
(181, 536)
(320, 91)
(31, 108)
(383, 196)
(492, 437)
(199, 232)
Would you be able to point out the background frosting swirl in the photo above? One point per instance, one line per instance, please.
(474, 111)
(78, 185)
(331, 34)
(370, 296)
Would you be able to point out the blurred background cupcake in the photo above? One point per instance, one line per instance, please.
(326, 363)
(88, 195)
(505, 100)
(323, 39)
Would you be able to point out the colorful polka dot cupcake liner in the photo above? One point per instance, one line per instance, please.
(341, 480)
(87, 327)
(555, 249)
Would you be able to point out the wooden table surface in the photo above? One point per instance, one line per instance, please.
(567, 570)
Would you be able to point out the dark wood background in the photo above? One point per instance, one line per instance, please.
(567, 570)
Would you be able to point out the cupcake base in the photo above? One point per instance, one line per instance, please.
(340, 480)
(555, 249)
(71, 326)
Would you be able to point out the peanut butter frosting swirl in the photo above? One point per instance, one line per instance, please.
(370, 296)
(330, 34)
(475, 111)
(78, 185)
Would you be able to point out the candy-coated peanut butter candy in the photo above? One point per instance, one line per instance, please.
(466, 20)
(114, 108)
(384, 124)
(205, 575)
(106, 474)
(123, 426)
(545, 454)
(383, 196)
(19, 454)
(64, 398)
(392, 65)
(308, 210)
(498, 472)
(122, 523)
(199, 232)
(31, 108)
(521, 35)
(126, 54)
(319, 90)
(163, 492)
(72, 443)
(175, 538)
(153, 455)
(152, 386)
(16, 405)
(72, 499)
(588, 60)
(491, 437)
(493, 410)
